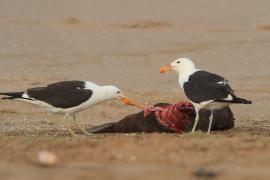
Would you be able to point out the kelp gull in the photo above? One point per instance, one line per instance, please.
(204, 89)
(68, 97)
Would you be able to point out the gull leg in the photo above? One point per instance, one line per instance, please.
(210, 121)
(196, 120)
(81, 128)
(67, 126)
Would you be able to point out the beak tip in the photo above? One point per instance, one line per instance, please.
(165, 69)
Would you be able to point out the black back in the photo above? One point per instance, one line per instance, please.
(65, 94)
(204, 86)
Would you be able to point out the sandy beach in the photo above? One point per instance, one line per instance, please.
(124, 43)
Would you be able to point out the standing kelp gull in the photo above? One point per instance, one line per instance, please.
(204, 89)
(68, 97)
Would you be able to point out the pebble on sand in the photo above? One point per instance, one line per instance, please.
(46, 158)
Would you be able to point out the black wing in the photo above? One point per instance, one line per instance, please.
(65, 94)
(204, 86)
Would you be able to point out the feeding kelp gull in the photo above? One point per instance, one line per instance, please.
(204, 89)
(68, 97)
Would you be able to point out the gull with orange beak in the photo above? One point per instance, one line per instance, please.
(203, 89)
(69, 97)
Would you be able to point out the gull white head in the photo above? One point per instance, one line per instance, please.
(180, 65)
(112, 92)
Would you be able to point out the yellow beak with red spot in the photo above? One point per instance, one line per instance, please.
(165, 69)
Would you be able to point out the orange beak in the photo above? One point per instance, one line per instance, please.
(165, 69)
(127, 101)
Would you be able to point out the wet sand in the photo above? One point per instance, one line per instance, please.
(124, 43)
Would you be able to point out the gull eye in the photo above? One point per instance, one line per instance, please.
(178, 62)
(118, 92)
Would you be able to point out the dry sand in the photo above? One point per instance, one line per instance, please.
(124, 42)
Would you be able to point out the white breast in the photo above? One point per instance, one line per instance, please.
(184, 76)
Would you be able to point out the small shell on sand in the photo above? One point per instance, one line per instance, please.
(46, 158)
